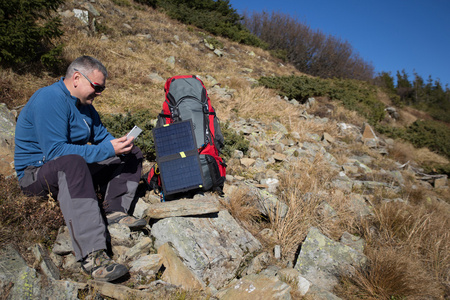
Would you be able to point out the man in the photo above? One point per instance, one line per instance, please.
(62, 148)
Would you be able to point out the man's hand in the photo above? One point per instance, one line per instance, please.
(122, 145)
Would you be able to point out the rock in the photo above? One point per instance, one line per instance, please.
(140, 209)
(327, 137)
(118, 291)
(120, 234)
(67, 14)
(268, 234)
(292, 275)
(392, 111)
(176, 272)
(350, 168)
(156, 78)
(268, 204)
(171, 61)
(91, 9)
(141, 248)
(359, 205)
(277, 252)
(310, 102)
(321, 259)
(272, 184)
(212, 80)
(17, 280)
(147, 264)
(218, 52)
(368, 132)
(363, 167)
(279, 157)
(208, 45)
(71, 264)
(63, 244)
(47, 266)
(184, 207)
(278, 127)
(349, 130)
(257, 264)
(247, 162)
(441, 182)
(353, 241)
(238, 154)
(253, 287)
(82, 15)
(62, 289)
(213, 248)
(7, 128)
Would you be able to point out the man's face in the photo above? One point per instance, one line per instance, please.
(85, 90)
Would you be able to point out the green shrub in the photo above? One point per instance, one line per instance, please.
(124, 3)
(431, 134)
(214, 16)
(27, 30)
(216, 43)
(120, 124)
(233, 141)
(392, 132)
(358, 96)
(151, 3)
(354, 95)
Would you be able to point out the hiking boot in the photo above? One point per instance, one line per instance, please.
(123, 218)
(102, 268)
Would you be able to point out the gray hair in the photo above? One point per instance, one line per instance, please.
(86, 65)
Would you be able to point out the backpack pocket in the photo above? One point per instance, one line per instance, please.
(212, 177)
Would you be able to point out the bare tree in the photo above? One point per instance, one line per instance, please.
(310, 51)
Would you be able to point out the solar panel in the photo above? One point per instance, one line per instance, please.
(177, 157)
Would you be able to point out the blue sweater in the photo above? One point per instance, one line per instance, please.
(51, 125)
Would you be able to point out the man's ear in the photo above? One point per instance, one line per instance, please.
(75, 78)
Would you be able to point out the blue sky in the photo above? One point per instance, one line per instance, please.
(392, 35)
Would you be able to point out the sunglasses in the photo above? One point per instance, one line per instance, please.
(97, 87)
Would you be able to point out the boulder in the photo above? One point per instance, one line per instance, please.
(322, 260)
(212, 247)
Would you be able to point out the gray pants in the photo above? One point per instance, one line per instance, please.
(75, 184)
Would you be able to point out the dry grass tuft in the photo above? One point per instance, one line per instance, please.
(392, 274)
(242, 207)
(302, 189)
(409, 252)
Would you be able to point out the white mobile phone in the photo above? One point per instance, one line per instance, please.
(134, 132)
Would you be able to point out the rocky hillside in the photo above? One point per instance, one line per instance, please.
(319, 207)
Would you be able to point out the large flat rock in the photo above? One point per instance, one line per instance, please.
(212, 246)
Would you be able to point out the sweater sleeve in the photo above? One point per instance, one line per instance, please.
(52, 123)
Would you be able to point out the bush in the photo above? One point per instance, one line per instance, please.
(214, 16)
(431, 134)
(233, 141)
(120, 124)
(27, 29)
(354, 95)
